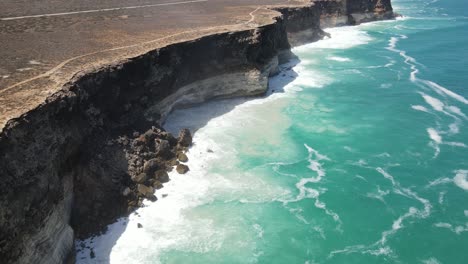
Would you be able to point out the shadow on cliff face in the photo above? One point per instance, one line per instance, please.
(194, 120)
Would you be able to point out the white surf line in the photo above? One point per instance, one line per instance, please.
(100, 10)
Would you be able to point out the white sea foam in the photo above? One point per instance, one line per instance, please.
(436, 140)
(461, 179)
(455, 229)
(434, 135)
(456, 144)
(340, 59)
(309, 78)
(258, 228)
(341, 38)
(454, 128)
(380, 245)
(435, 103)
(446, 91)
(172, 223)
(456, 110)
(441, 197)
(349, 149)
(392, 43)
(363, 249)
(431, 261)
(439, 181)
(420, 108)
(383, 155)
(412, 211)
(386, 85)
(380, 195)
(315, 164)
(361, 177)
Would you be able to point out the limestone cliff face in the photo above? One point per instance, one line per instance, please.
(368, 10)
(52, 181)
(352, 12)
(302, 24)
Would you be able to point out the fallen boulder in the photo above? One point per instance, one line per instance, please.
(161, 176)
(182, 169)
(163, 148)
(140, 178)
(150, 166)
(147, 192)
(182, 157)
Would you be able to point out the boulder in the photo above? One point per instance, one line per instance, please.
(140, 178)
(182, 157)
(149, 136)
(173, 162)
(157, 185)
(139, 225)
(163, 148)
(169, 137)
(150, 166)
(182, 169)
(145, 191)
(185, 138)
(161, 176)
(133, 203)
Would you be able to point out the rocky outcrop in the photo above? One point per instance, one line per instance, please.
(302, 24)
(120, 174)
(92, 151)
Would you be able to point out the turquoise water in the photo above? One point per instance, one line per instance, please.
(360, 158)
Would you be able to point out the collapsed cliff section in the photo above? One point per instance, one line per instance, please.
(73, 165)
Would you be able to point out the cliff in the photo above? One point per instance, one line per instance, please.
(64, 168)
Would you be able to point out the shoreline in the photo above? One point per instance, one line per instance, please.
(201, 154)
(94, 113)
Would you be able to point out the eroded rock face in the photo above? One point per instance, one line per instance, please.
(77, 160)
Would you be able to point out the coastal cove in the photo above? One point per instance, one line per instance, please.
(328, 131)
(311, 168)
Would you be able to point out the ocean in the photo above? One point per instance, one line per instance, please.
(357, 155)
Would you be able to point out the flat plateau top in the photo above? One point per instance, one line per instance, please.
(43, 43)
